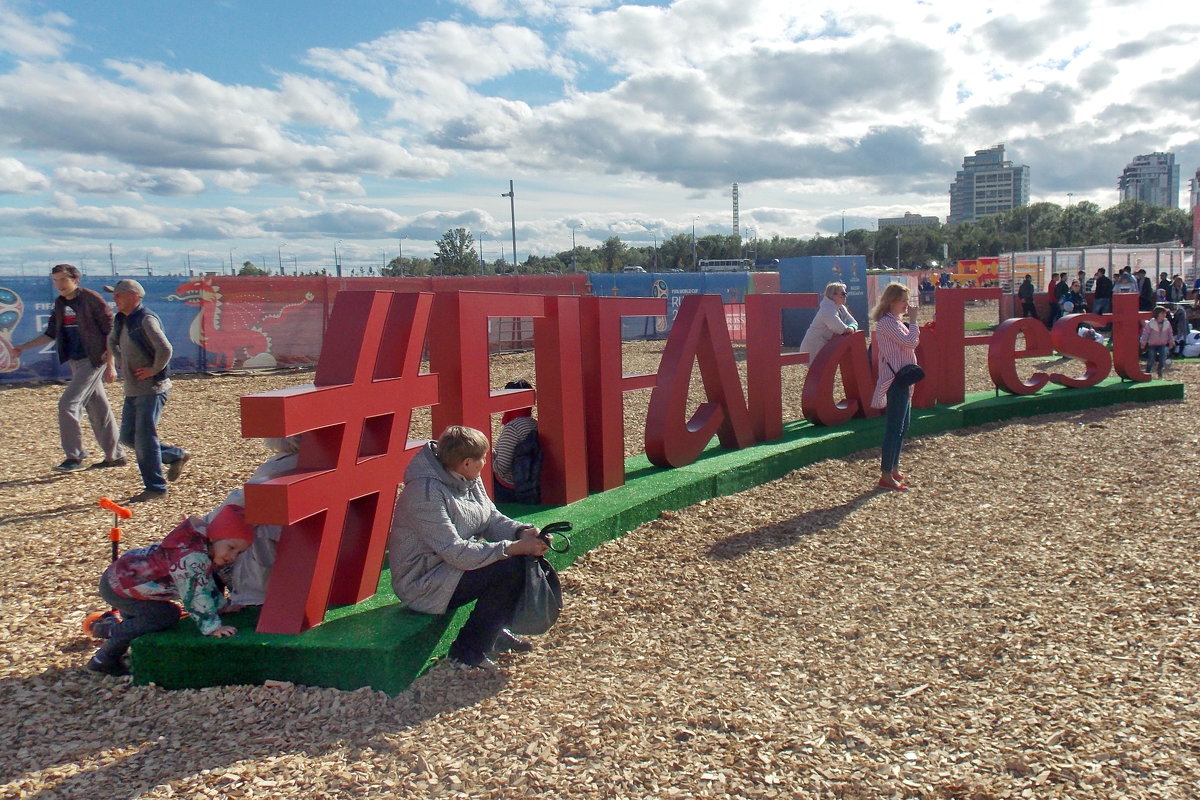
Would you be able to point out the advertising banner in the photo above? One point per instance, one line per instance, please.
(221, 322)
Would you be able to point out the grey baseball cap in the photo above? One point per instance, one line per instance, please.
(127, 285)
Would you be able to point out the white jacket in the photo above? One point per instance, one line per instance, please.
(831, 320)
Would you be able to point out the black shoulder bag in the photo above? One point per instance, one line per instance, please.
(541, 599)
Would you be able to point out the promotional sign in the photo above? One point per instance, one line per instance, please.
(355, 416)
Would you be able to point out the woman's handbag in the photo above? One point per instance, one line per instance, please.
(908, 375)
(541, 599)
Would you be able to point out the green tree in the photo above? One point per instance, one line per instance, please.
(456, 253)
(248, 268)
(612, 254)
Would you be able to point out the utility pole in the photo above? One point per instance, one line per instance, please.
(512, 208)
(111, 260)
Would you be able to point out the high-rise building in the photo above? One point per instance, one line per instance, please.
(986, 185)
(1195, 201)
(1151, 178)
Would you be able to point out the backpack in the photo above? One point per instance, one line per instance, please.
(526, 473)
(138, 336)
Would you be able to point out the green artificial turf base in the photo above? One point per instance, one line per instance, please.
(379, 644)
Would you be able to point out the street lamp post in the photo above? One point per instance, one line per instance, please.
(512, 209)
(279, 255)
(695, 264)
(400, 258)
(232, 271)
(574, 253)
(337, 264)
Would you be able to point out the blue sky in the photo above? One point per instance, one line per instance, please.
(178, 132)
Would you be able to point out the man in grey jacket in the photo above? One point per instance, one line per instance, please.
(450, 545)
(142, 352)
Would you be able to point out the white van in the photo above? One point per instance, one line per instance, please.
(632, 268)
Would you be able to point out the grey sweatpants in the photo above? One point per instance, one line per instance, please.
(85, 391)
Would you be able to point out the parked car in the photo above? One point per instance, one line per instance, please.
(633, 268)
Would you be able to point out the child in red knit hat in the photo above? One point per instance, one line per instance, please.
(144, 583)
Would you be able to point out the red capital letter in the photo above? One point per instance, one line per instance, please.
(699, 333)
(764, 337)
(605, 381)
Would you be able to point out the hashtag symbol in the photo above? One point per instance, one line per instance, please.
(355, 416)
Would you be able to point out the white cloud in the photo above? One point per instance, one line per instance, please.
(17, 178)
(33, 37)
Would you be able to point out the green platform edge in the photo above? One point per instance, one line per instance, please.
(379, 644)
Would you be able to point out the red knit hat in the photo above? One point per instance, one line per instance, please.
(230, 523)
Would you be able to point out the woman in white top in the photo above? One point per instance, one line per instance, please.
(832, 319)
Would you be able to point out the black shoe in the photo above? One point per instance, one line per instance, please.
(483, 663)
(116, 667)
(147, 494)
(175, 468)
(109, 462)
(70, 465)
(509, 642)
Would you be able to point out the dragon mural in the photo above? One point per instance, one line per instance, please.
(243, 322)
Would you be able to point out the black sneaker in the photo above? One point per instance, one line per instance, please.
(509, 642)
(70, 465)
(109, 462)
(147, 494)
(115, 668)
(175, 468)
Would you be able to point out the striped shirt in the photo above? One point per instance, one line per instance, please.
(511, 435)
(895, 346)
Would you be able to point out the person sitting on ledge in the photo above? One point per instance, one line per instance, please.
(450, 545)
(143, 583)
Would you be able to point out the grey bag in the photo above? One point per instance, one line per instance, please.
(541, 599)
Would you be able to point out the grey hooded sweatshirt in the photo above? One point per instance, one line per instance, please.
(436, 530)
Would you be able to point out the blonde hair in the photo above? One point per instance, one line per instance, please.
(459, 442)
(830, 288)
(891, 293)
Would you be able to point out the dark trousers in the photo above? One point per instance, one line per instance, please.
(1028, 309)
(138, 617)
(495, 589)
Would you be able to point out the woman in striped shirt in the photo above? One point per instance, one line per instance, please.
(895, 345)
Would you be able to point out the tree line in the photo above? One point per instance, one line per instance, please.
(1037, 226)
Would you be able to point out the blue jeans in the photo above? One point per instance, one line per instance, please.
(1156, 351)
(139, 430)
(138, 617)
(899, 407)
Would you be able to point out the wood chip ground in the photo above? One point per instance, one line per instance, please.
(1023, 624)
